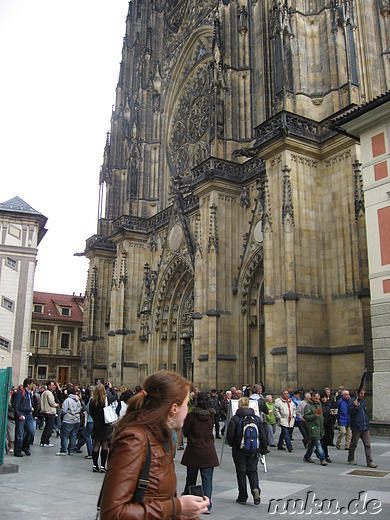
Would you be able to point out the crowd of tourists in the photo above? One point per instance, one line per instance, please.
(106, 420)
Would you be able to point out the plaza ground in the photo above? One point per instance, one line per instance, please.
(49, 487)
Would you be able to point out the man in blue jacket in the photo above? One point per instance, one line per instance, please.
(24, 421)
(344, 421)
(360, 429)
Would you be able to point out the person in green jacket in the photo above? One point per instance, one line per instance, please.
(271, 420)
(315, 419)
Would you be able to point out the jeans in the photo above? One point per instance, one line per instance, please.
(285, 435)
(24, 433)
(207, 481)
(49, 425)
(85, 437)
(246, 466)
(68, 431)
(315, 444)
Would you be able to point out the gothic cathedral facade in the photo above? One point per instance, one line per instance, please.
(231, 241)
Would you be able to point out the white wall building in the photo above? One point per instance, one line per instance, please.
(371, 124)
(21, 230)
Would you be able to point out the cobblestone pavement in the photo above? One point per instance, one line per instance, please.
(50, 487)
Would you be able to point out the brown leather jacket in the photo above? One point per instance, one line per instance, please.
(126, 459)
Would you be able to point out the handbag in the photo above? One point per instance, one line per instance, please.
(142, 485)
(109, 413)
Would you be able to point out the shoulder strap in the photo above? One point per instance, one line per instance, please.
(142, 484)
(143, 481)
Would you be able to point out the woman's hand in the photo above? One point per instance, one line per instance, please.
(192, 505)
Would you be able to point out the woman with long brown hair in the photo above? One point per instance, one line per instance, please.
(101, 431)
(153, 415)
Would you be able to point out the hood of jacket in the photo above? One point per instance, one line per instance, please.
(243, 412)
(203, 414)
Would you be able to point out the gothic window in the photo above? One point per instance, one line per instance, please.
(278, 65)
(352, 54)
(190, 129)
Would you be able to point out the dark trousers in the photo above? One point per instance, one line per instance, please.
(216, 424)
(366, 439)
(304, 433)
(50, 419)
(246, 466)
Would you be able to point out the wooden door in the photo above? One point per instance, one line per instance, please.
(63, 375)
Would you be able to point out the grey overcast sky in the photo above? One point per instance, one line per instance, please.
(59, 67)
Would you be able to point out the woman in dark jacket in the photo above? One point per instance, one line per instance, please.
(101, 431)
(200, 454)
(326, 440)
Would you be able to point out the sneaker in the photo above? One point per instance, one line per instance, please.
(239, 501)
(282, 448)
(10, 450)
(324, 463)
(290, 450)
(372, 465)
(61, 454)
(308, 460)
(27, 452)
(88, 457)
(102, 469)
(352, 462)
(328, 460)
(95, 469)
(256, 497)
(46, 445)
(76, 450)
(18, 454)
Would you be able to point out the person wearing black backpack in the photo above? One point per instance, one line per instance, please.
(247, 436)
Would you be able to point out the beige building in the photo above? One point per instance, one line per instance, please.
(231, 241)
(371, 124)
(55, 338)
(21, 230)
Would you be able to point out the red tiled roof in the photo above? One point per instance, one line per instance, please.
(53, 304)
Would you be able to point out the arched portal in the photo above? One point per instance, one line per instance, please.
(252, 330)
(173, 327)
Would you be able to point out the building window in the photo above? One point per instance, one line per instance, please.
(32, 338)
(7, 304)
(65, 340)
(30, 371)
(11, 263)
(38, 308)
(65, 311)
(4, 343)
(42, 372)
(44, 339)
